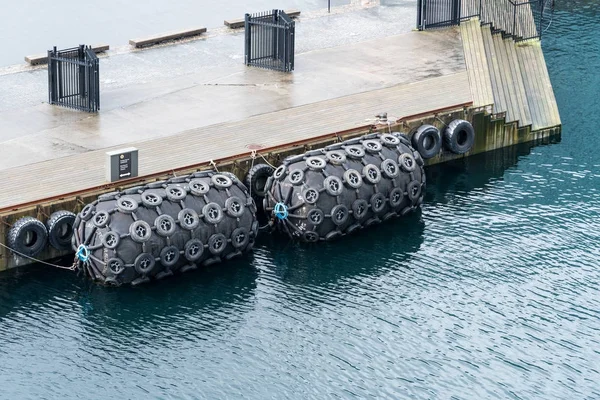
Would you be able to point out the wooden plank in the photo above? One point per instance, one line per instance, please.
(497, 87)
(485, 72)
(544, 77)
(163, 37)
(529, 80)
(524, 113)
(542, 103)
(43, 58)
(476, 62)
(239, 22)
(469, 62)
(58, 177)
(505, 74)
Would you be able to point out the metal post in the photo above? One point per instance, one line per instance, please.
(50, 78)
(247, 39)
(328, 6)
(514, 30)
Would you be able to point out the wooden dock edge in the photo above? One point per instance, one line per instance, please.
(498, 134)
(239, 22)
(237, 164)
(43, 58)
(165, 37)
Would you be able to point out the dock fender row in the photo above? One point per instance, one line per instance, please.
(427, 141)
(459, 136)
(28, 236)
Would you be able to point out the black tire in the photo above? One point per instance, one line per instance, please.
(144, 263)
(140, 231)
(87, 212)
(60, 229)
(169, 256)
(188, 219)
(256, 180)
(459, 136)
(165, 225)
(427, 141)
(413, 191)
(217, 243)
(240, 238)
(28, 236)
(193, 250)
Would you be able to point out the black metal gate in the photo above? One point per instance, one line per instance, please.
(74, 79)
(438, 13)
(519, 19)
(270, 40)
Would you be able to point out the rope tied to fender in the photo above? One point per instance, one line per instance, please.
(280, 210)
(37, 260)
(83, 253)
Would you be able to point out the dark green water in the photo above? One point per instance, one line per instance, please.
(490, 292)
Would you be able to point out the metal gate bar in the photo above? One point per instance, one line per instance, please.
(519, 19)
(74, 79)
(269, 40)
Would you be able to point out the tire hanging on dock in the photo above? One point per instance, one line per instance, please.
(28, 236)
(327, 193)
(60, 229)
(459, 136)
(427, 141)
(255, 181)
(152, 231)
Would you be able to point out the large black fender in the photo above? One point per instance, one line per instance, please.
(459, 136)
(60, 229)
(427, 141)
(331, 192)
(150, 232)
(28, 236)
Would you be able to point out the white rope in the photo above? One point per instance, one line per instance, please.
(214, 165)
(71, 268)
(253, 156)
(268, 163)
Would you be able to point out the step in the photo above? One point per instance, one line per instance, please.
(522, 102)
(537, 81)
(477, 66)
(164, 37)
(506, 79)
(43, 58)
(240, 22)
(544, 78)
(494, 68)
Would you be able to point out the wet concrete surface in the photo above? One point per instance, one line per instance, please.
(159, 92)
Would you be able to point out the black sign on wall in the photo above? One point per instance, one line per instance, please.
(122, 164)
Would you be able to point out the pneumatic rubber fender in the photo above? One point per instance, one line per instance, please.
(344, 187)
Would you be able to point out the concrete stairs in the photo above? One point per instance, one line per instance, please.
(510, 77)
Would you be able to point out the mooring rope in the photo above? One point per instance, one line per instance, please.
(268, 163)
(71, 268)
